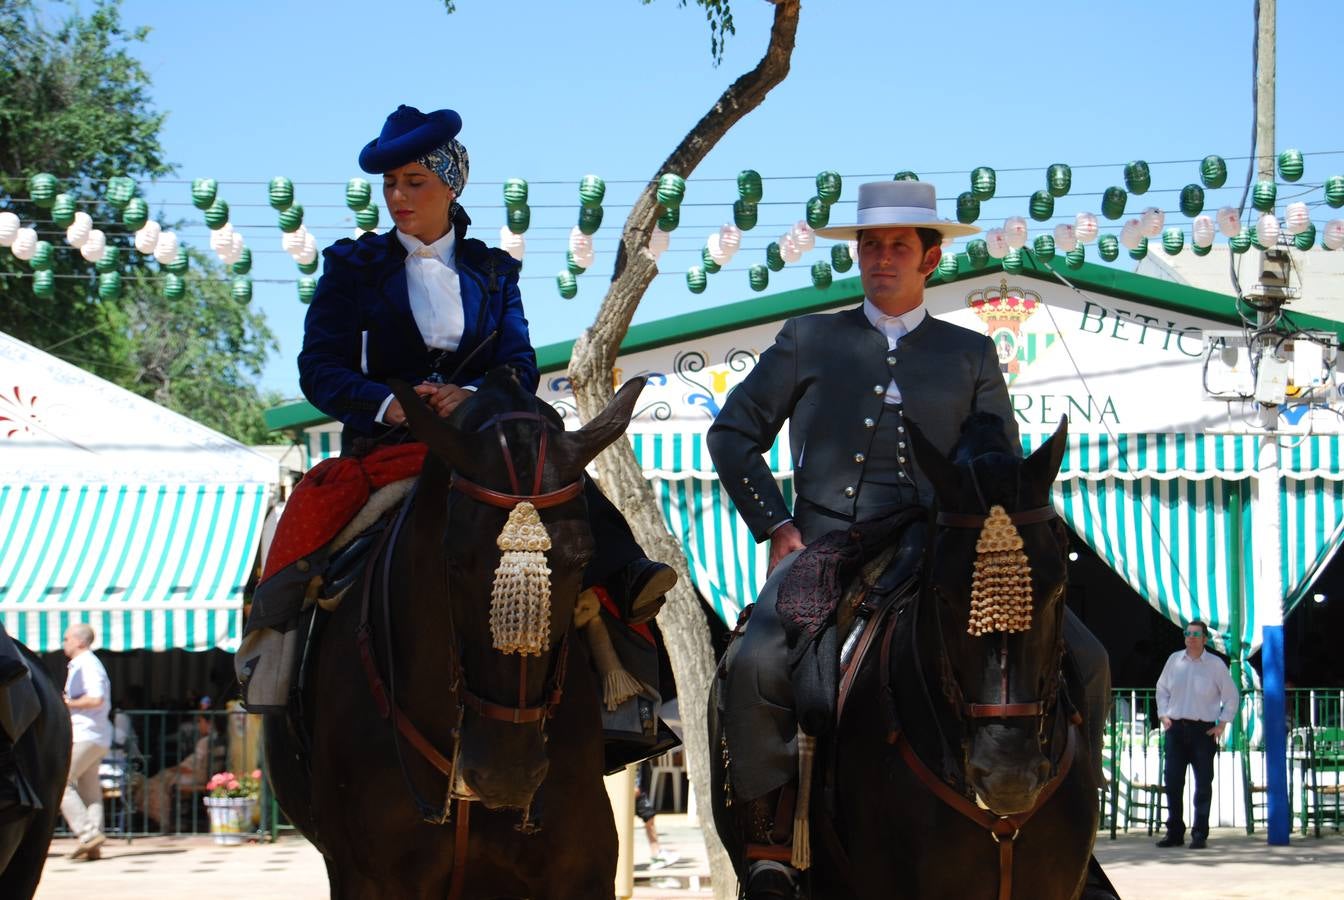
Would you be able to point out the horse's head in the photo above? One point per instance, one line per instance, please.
(515, 538)
(996, 583)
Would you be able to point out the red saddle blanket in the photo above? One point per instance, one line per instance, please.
(331, 494)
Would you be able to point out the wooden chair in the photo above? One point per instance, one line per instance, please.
(1136, 803)
(1322, 781)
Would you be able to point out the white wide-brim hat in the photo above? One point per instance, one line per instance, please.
(897, 204)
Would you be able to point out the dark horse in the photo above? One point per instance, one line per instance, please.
(43, 754)
(522, 736)
(955, 769)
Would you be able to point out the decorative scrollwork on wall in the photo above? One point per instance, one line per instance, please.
(658, 411)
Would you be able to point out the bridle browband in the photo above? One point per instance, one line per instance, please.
(501, 500)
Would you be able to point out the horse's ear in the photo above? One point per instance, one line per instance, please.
(940, 471)
(607, 425)
(442, 438)
(1042, 466)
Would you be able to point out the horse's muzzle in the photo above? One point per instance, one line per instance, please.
(1007, 769)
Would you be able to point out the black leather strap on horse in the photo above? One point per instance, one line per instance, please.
(459, 876)
(976, 520)
(509, 501)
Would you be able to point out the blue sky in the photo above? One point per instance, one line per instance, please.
(551, 91)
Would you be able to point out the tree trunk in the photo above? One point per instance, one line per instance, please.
(590, 372)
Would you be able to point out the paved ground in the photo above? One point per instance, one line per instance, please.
(1233, 867)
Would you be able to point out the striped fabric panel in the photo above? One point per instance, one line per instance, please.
(1313, 523)
(1156, 455)
(157, 567)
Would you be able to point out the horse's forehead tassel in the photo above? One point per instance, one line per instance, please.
(1001, 583)
(520, 601)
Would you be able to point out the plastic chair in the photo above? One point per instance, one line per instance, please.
(671, 766)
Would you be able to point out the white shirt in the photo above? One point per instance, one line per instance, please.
(895, 328)
(1198, 689)
(86, 677)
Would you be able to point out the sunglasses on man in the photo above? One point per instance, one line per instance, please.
(1193, 632)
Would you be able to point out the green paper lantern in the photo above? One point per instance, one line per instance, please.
(696, 280)
(591, 190)
(1012, 260)
(590, 219)
(309, 268)
(1113, 201)
(1290, 165)
(109, 285)
(120, 190)
(217, 216)
(1200, 251)
(42, 189)
(745, 214)
(749, 187)
(905, 175)
(669, 220)
(758, 276)
(292, 218)
(1334, 191)
(44, 284)
(821, 275)
(1137, 177)
(1213, 172)
(567, 285)
(367, 218)
(179, 264)
(203, 192)
(671, 191)
(1173, 240)
(774, 259)
(242, 289)
(829, 186)
(947, 266)
(173, 286)
(841, 261)
(572, 264)
(1241, 242)
(515, 192)
(136, 214)
(1058, 179)
(1140, 250)
(1108, 248)
(1303, 240)
(358, 193)
(818, 213)
(111, 259)
(1263, 195)
(1042, 206)
(707, 262)
(280, 193)
(1044, 245)
(41, 258)
(1192, 200)
(307, 289)
(983, 182)
(244, 263)
(1254, 235)
(63, 210)
(1075, 258)
(968, 208)
(977, 252)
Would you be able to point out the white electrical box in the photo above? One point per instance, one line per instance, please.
(1227, 365)
(1271, 383)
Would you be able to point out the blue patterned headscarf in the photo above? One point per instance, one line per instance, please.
(449, 162)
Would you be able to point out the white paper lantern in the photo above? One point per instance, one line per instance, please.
(221, 239)
(165, 249)
(1267, 230)
(997, 242)
(1084, 228)
(292, 243)
(79, 229)
(585, 260)
(803, 236)
(853, 250)
(24, 244)
(307, 254)
(236, 247)
(1015, 231)
(788, 249)
(147, 237)
(659, 241)
(1229, 223)
(1130, 234)
(730, 239)
(714, 248)
(1297, 218)
(94, 246)
(1151, 221)
(580, 244)
(512, 244)
(9, 228)
(309, 243)
(1333, 238)
(1065, 239)
(1204, 230)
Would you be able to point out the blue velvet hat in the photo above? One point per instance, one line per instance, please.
(407, 135)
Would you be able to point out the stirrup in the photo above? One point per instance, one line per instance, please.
(771, 880)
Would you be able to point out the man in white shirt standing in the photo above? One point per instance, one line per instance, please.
(1195, 700)
(88, 694)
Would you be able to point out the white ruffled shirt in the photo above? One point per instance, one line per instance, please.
(894, 328)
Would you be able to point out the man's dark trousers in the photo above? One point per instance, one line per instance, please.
(1189, 744)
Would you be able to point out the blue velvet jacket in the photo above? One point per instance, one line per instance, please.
(360, 331)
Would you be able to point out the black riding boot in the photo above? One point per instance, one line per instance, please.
(769, 826)
(635, 583)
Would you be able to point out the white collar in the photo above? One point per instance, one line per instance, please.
(442, 248)
(910, 320)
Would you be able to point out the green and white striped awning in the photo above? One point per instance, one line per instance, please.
(149, 566)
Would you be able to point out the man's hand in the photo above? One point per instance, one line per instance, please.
(1166, 722)
(783, 540)
(1216, 732)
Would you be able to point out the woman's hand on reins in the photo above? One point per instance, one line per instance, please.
(442, 398)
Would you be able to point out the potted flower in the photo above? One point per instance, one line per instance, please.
(232, 804)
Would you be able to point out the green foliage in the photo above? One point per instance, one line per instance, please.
(74, 101)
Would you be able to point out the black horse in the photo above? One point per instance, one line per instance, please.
(409, 699)
(43, 754)
(956, 769)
